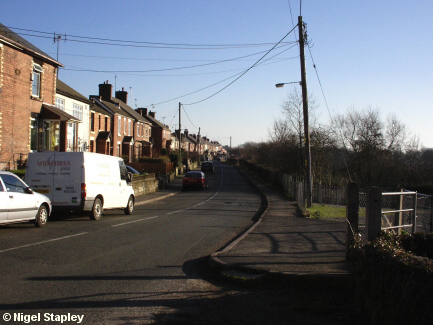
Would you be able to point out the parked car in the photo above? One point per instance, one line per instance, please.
(207, 166)
(132, 170)
(19, 203)
(194, 179)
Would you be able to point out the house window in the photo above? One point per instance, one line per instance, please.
(72, 136)
(119, 125)
(106, 124)
(60, 103)
(77, 111)
(51, 136)
(129, 127)
(36, 80)
(124, 125)
(92, 122)
(34, 135)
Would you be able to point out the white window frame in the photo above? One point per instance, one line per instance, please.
(60, 103)
(37, 80)
(119, 125)
(77, 111)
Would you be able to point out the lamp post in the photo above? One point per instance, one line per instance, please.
(307, 140)
(281, 85)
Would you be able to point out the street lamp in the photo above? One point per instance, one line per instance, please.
(307, 139)
(281, 85)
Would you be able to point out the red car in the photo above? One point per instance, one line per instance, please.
(194, 179)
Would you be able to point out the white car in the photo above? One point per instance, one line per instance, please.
(19, 203)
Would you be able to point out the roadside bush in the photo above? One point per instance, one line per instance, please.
(394, 285)
(162, 159)
(176, 158)
(19, 172)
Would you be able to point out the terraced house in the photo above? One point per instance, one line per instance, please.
(125, 133)
(28, 116)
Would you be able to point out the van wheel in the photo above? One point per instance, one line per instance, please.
(41, 216)
(130, 207)
(96, 212)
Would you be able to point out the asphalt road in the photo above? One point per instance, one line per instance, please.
(122, 269)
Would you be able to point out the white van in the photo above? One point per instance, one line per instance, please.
(81, 181)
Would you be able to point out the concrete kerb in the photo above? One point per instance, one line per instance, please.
(234, 271)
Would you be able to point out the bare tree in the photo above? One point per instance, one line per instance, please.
(374, 146)
(293, 111)
(292, 108)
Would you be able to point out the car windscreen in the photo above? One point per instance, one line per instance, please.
(189, 174)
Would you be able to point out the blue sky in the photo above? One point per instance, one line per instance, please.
(367, 53)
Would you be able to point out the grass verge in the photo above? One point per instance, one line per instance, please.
(322, 211)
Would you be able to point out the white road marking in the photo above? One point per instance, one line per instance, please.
(42, 242)
(134, 221)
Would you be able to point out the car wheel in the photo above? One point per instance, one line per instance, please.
(42, 216)
(96, 212)
(130, 207)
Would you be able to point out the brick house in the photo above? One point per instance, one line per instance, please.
(161, 134)
(115, 128)
(142, 129)
(29, 119)
(100, 136)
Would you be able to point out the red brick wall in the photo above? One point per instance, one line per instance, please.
(16, 102)
(100, 125)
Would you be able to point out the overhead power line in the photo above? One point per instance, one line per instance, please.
(167, 69)
(144, 44)
(257, 62)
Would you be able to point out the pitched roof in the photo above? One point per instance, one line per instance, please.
(14, 39)
(129, 110)
(107, 107)
(64, 89)
(156, 122)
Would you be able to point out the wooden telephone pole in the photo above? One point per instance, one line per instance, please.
(309, 180)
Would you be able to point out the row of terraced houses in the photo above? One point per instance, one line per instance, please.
(39, 112)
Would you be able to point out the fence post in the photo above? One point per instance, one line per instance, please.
(398, 217)
(352, 214)
(415, 199)
(373, 212)
(431, 213)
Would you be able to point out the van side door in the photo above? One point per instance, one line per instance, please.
(124, 183)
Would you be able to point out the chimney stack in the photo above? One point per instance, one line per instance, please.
(152, 114)
(122, 95)
(142, 111)
(105, 91)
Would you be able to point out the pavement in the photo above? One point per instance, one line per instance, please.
(281, 243)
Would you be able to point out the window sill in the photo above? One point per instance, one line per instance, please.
(39, 99)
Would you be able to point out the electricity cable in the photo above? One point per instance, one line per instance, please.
(200, 101)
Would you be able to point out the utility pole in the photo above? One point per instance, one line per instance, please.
(180, 141)
(199, 147)
(302, 35)
(180, 133)
(57, 39)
